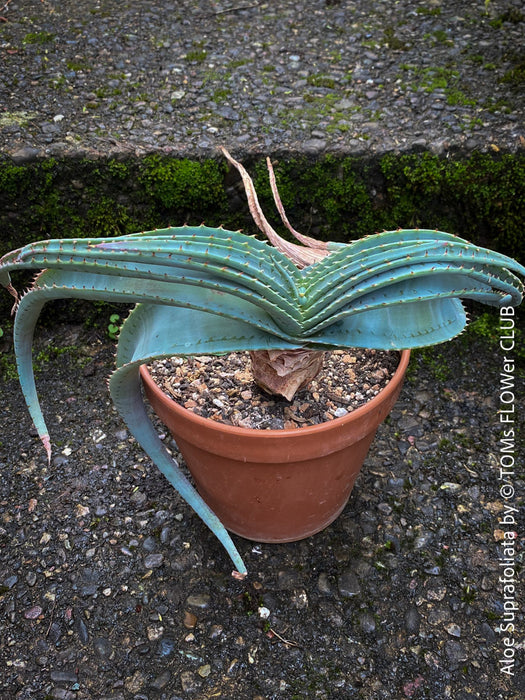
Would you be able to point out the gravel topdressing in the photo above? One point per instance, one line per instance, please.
(223, 389)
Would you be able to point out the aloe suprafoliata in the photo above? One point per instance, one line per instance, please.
(200, 290)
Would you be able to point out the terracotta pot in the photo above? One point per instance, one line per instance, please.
(275, 485)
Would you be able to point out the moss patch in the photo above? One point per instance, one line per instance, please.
(481, 198)
(20, 118)
(38, 38)
(184, 185)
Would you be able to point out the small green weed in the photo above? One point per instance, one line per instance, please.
(469, 594)
(196, 56)
(114, 325)
(457, 97)
(392, 41)
(78, 66)
(429, 11)
(435, 361)
(323, 81)
(515, 77)
(8, 367)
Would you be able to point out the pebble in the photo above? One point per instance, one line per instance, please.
(438, 615)
(25, 154)
(487, 632)
(455, 652)
(199, 600)
(135, 683)
(166, 646)
(323, 584)
(188, 682)
(63, 676)
(299, 599)
(423, 539)
(81, 629)
(204, 671)
(63, 694)
(288, 580)
(162, 680)
(412, 620)
(348, 584)
(89, 581)
(10, 581)
(190, 620)
(33, 613)
(103, 647)
(384, 508)
(263, 612)
(153, 561)
(409, 425)
(450, 486)
(138, 498)
(154, 632)
(149, 544)
(55, 632)
(367, 622)
(217, 630)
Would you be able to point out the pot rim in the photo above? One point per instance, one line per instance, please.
(233, 430)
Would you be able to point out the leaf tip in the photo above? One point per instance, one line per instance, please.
(47, 445)
(239, 576)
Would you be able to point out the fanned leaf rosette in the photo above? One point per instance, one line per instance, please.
(201, 290)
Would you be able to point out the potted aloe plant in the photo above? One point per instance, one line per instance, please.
(208, 291)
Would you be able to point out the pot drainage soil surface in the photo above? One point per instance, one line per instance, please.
(222, 388)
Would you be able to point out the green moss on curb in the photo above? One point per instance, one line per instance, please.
(480, 197)
(184, 184)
